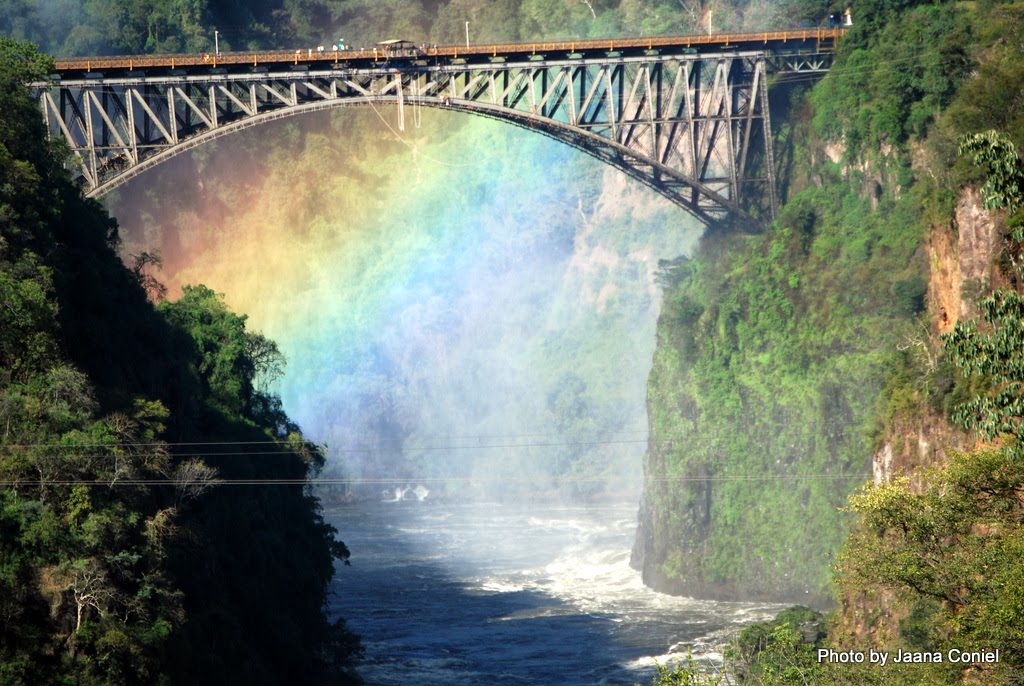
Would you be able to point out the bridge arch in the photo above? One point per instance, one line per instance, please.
(636, 165)
(694, 126)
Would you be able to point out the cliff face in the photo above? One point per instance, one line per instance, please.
(960, 268)
(750, 450)
(960, 259)
(688, 517)
(771, 396)
(772, 351)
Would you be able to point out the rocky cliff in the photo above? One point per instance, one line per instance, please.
(961, 268)
(772, 352)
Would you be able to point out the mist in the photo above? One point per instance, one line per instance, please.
(462, 301)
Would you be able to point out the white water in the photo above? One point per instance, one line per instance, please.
(445, 595)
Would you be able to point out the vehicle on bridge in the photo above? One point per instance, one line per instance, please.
(399, 47)
(780, 44)
(686, 115)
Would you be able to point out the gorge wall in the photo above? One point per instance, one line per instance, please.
(796, 365)
(772, 351)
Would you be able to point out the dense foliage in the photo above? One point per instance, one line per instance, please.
(123, 558)
(70, 27)
(772, 352)
(782, 358)
(779, 651)
(991, 100)
(892, 81)
(951, 550)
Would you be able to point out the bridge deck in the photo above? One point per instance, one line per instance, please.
(686, 115)
(780, 42)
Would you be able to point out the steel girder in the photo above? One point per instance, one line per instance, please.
(695, 128)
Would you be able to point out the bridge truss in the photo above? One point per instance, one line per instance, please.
(694, 127)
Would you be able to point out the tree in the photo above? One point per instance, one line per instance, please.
(996, 354)
(223, 345)
(959, 543)
(994, 151)
(995, 350)
(101, 522)
(141, 264)
(22, 62)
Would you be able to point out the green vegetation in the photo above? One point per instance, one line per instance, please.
(688, 673)
(783, 358)
(894, 77)
(772, 351)
(122, 559)
(75, 27)
(779, 651)
(951, 551)
(933, 561)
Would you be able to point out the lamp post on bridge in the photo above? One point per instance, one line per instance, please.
(467, 34)
(216, 42)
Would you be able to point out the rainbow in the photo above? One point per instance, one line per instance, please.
(456, 281)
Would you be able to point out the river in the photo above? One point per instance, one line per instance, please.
(456, 594)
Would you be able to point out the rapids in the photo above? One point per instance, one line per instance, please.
(455, 594)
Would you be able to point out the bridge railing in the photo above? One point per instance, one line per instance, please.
(824, 39)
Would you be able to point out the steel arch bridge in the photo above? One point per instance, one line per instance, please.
(687, 116)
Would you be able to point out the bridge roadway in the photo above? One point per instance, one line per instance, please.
(782, 44)
(686, 115)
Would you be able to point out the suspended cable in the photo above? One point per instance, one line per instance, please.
(113, 482)
(447, 437)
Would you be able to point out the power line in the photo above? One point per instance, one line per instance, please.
(447, 437)
(697, 435)
(38, 483)
(388, 451)
(396, 449)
